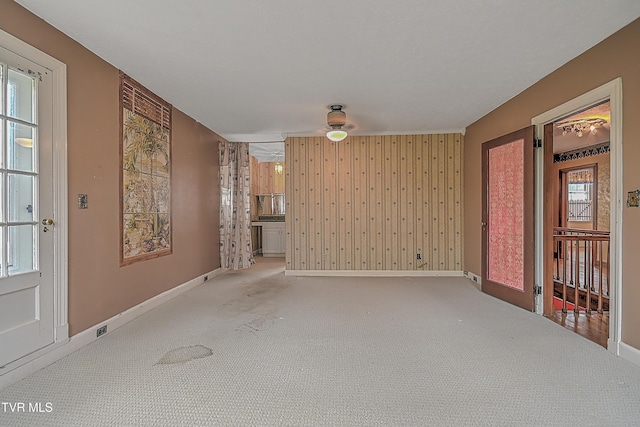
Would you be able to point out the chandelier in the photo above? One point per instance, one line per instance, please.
(278, 166)
(580, 126)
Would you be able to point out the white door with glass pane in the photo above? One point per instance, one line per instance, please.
(27, 223)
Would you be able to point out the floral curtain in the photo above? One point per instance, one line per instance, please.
(235, 215)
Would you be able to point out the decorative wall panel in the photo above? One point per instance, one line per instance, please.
(506, 218)
(374, 203)
(145, 150)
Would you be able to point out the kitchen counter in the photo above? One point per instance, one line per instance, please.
(262, 223)
(267, 219)
(271, 218)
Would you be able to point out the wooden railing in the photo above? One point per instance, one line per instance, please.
(581, 275)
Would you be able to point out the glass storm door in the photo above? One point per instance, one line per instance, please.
(507, 218)
(26, 215)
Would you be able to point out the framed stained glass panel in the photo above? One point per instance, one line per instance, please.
(145, 182)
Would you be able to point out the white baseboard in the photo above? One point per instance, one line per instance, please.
(375, 273)
(22, 368)
(477, 281)
(629, 353)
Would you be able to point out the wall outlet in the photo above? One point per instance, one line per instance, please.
(473, 277)
(101, 331)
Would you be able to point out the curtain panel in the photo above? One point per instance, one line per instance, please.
(235, 213)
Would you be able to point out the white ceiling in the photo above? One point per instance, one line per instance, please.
(257, 71)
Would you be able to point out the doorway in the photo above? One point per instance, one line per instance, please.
(578, 195)
(578, 225)
(26, 267)
(581, 205)
(33, 220)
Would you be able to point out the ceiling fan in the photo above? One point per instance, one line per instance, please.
(337, 122)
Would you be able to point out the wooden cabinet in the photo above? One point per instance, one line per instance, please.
(273, 239)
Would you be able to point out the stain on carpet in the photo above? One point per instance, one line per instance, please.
(184, 354)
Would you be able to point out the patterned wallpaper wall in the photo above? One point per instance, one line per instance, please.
(266, 179)
(604, 192)
(374, 202)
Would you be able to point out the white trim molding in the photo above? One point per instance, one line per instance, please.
(629, 353)
(374, 273)
(16, 371)
(611, 91)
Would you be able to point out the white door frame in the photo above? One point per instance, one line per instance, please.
(613, 92)
(60, 192)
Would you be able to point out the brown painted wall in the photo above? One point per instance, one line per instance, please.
(617, 56)
(374, 202)
(98, 287)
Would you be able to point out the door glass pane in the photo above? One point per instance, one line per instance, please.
(20, 142)
(2, 87)
(21, 249)
(2, 139)
(21, 203)
(3, 214)
(20, 96)
(506, 215)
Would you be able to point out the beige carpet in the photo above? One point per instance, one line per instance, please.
(257, 348)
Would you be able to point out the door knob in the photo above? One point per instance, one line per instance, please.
(47, 221)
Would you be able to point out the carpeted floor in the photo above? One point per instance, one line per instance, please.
(257, 348)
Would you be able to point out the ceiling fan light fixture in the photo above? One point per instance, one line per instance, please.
(336, 135)
(336, 118)
(25, 142)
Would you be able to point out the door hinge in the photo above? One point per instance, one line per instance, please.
(537, 143)
(537, 290)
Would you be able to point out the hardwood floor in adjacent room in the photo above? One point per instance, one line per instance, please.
(594, 327)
